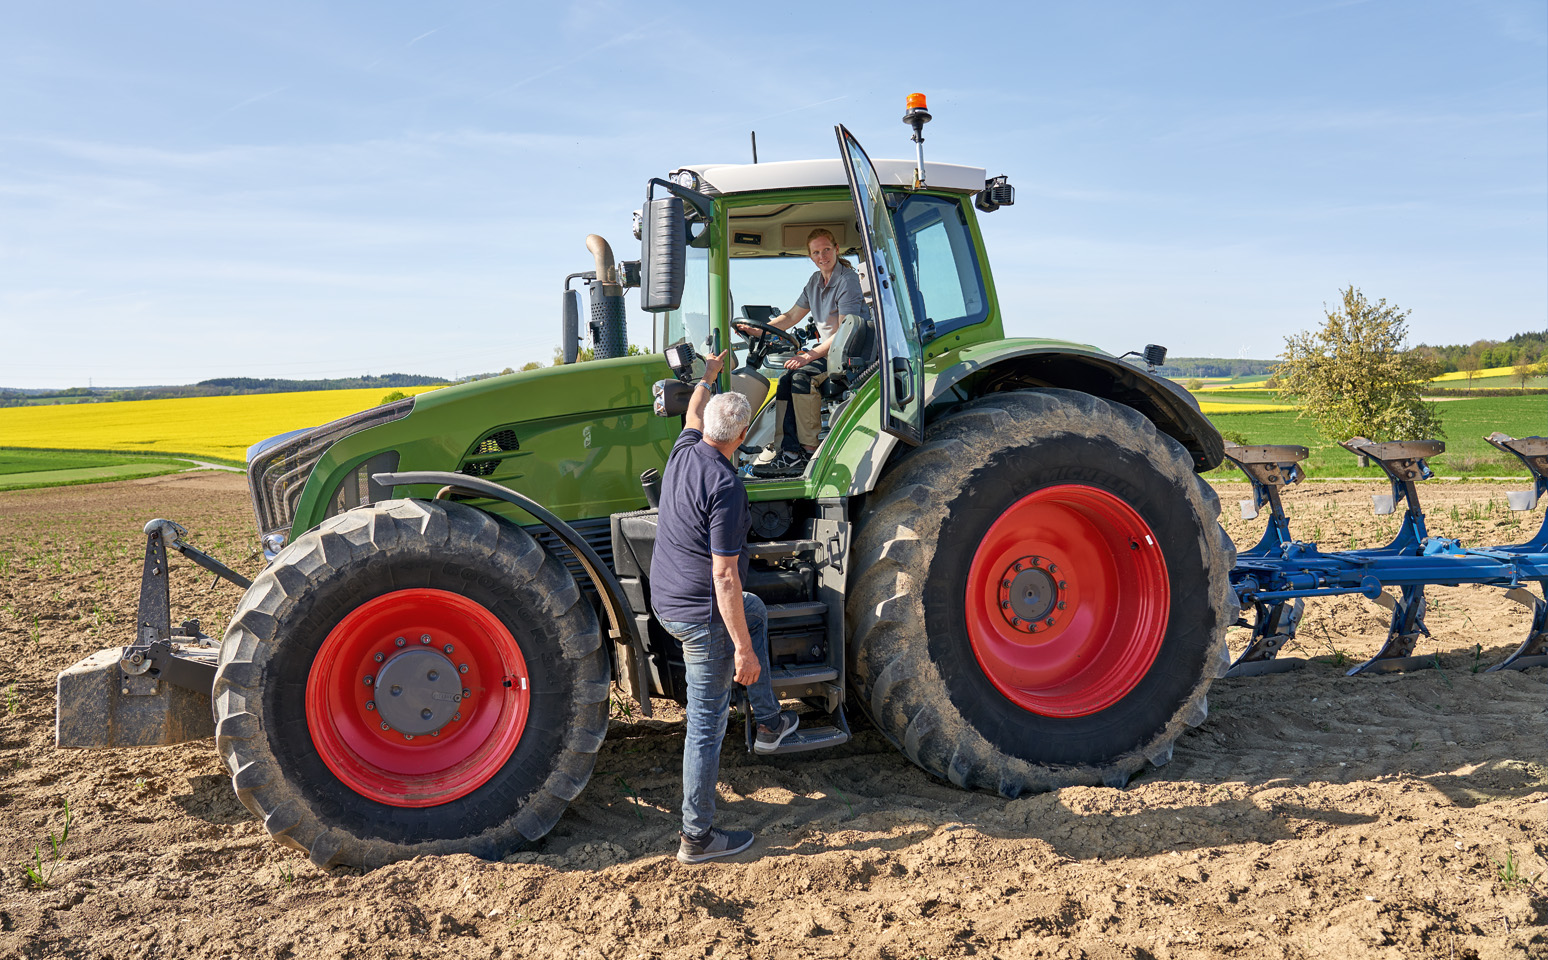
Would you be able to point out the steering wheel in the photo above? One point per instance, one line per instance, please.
(769, 328)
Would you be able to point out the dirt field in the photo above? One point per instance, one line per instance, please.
(1311, 816)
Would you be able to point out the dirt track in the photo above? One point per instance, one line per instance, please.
(1312, 816)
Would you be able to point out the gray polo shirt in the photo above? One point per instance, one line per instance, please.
(829, 302)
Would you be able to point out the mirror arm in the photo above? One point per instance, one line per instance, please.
(703, 205)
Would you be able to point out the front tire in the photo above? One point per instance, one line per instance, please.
(1043, 594)
(411, 678)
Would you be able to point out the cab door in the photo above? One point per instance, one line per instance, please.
(901, 353)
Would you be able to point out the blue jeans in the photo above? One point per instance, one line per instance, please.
(708, 656)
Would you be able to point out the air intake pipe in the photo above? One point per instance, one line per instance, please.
(609, 336)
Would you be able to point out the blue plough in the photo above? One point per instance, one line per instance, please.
(1274, 578)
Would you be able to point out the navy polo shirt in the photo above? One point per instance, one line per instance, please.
(704, 511)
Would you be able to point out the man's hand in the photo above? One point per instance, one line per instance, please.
(747, 668)
(799, 360)
(713, 366)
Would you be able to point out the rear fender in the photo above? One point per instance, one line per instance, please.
(1172, 409)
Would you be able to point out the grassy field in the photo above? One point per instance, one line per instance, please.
(20, 469)
(209, 428)
(1467, 422)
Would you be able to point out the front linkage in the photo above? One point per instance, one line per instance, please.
(157, 690)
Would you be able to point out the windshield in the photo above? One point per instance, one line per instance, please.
(690, 322)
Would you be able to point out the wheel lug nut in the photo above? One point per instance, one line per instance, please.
(447, 649)
(1062, 585)
(424, 638)
(433, 676)
(368, 679)
(426, 714)
(456, 716)
(380, 657)
(462, 668)
(398, 642)
(466, 693)
(408, 736)
(1049, 621)
(370, 704)
(384, 725)
(1053, 568)
(1005, 604)
(1005, 584)
(435, 733)
(1061, 604)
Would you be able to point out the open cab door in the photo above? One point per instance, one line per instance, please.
(902, 355)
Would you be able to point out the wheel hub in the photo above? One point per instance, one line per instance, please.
(1031, 594)
(418, 691)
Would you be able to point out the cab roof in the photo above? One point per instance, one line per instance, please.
(722, 178)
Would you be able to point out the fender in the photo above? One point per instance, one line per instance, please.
(1172, 409)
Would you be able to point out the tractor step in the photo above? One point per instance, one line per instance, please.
(781, 548)
(813, 738)
(801, 608)
(796, 683)
(816, 738)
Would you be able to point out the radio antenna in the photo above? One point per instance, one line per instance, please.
(755, 146)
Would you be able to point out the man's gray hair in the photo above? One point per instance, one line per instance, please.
(726, 416)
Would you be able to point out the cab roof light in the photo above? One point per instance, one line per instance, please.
(916, 115)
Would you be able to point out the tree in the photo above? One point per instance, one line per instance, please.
(589, 353)
(1468, 364)
(1354, 377)
(532, 365)
(1522, 372)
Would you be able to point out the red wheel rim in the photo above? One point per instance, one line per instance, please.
(1067, 601)
(425, 743)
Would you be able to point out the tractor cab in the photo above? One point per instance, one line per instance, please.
(744, 258)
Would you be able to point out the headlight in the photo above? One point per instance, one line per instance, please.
(277, 474)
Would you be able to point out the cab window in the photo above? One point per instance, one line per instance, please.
(690, 322)
(938, 254)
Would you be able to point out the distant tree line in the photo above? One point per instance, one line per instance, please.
(1523, 348)
(218, 387)
(1180, 368)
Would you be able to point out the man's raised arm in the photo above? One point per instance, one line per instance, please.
(694, 418)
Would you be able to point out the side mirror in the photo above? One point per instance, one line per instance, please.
(569, 327)
(663, 255)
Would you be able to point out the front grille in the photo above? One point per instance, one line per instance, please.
(276, 476)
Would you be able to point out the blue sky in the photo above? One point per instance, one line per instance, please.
(194, 190)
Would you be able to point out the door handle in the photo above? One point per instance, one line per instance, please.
(902, 381)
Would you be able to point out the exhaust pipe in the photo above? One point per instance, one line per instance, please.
(609, 336)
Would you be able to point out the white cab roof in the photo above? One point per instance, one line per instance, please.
(751, 177)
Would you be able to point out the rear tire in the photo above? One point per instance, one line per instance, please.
(1043, 594)
(509, 689)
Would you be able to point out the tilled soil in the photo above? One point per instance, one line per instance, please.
(1312, 815)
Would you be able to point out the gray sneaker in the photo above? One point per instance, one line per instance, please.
(769, 738)
(717, 843)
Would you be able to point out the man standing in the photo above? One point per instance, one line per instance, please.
(697, 571)
(832, 292)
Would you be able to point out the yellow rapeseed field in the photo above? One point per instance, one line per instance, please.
(1477, 374)
(218, 427)
(1209, 407)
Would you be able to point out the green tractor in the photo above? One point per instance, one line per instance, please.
(1001, 552)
